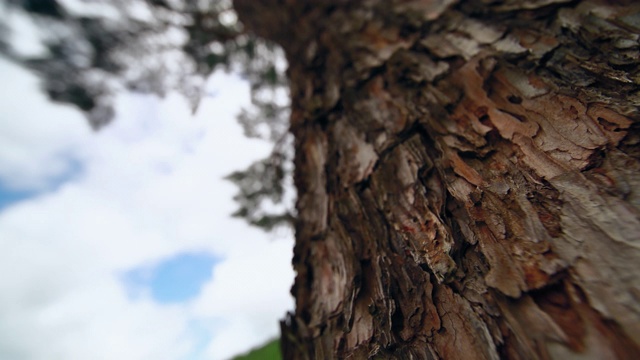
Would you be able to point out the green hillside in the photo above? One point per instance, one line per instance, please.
(268, 351)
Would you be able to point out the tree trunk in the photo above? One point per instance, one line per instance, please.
(468, 177)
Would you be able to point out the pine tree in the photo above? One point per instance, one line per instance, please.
(467, 175)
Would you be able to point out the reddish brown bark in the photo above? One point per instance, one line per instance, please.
(468, 177)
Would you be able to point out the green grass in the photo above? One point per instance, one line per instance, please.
(268, 351)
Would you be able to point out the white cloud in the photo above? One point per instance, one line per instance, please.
(38, 142)
(148, 186)
(96, 321)
(244, 285)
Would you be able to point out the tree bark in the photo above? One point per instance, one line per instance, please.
(468, 176)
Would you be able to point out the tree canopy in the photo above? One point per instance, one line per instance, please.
(94, 49)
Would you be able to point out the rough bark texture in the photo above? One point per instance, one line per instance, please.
(468, 177)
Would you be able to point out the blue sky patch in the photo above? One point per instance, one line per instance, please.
(171, 280)
(10, 197)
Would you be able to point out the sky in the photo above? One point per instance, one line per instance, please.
(118, 244)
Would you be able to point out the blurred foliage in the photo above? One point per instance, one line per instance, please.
(93, 49)
(262, 183)
(269, 351)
